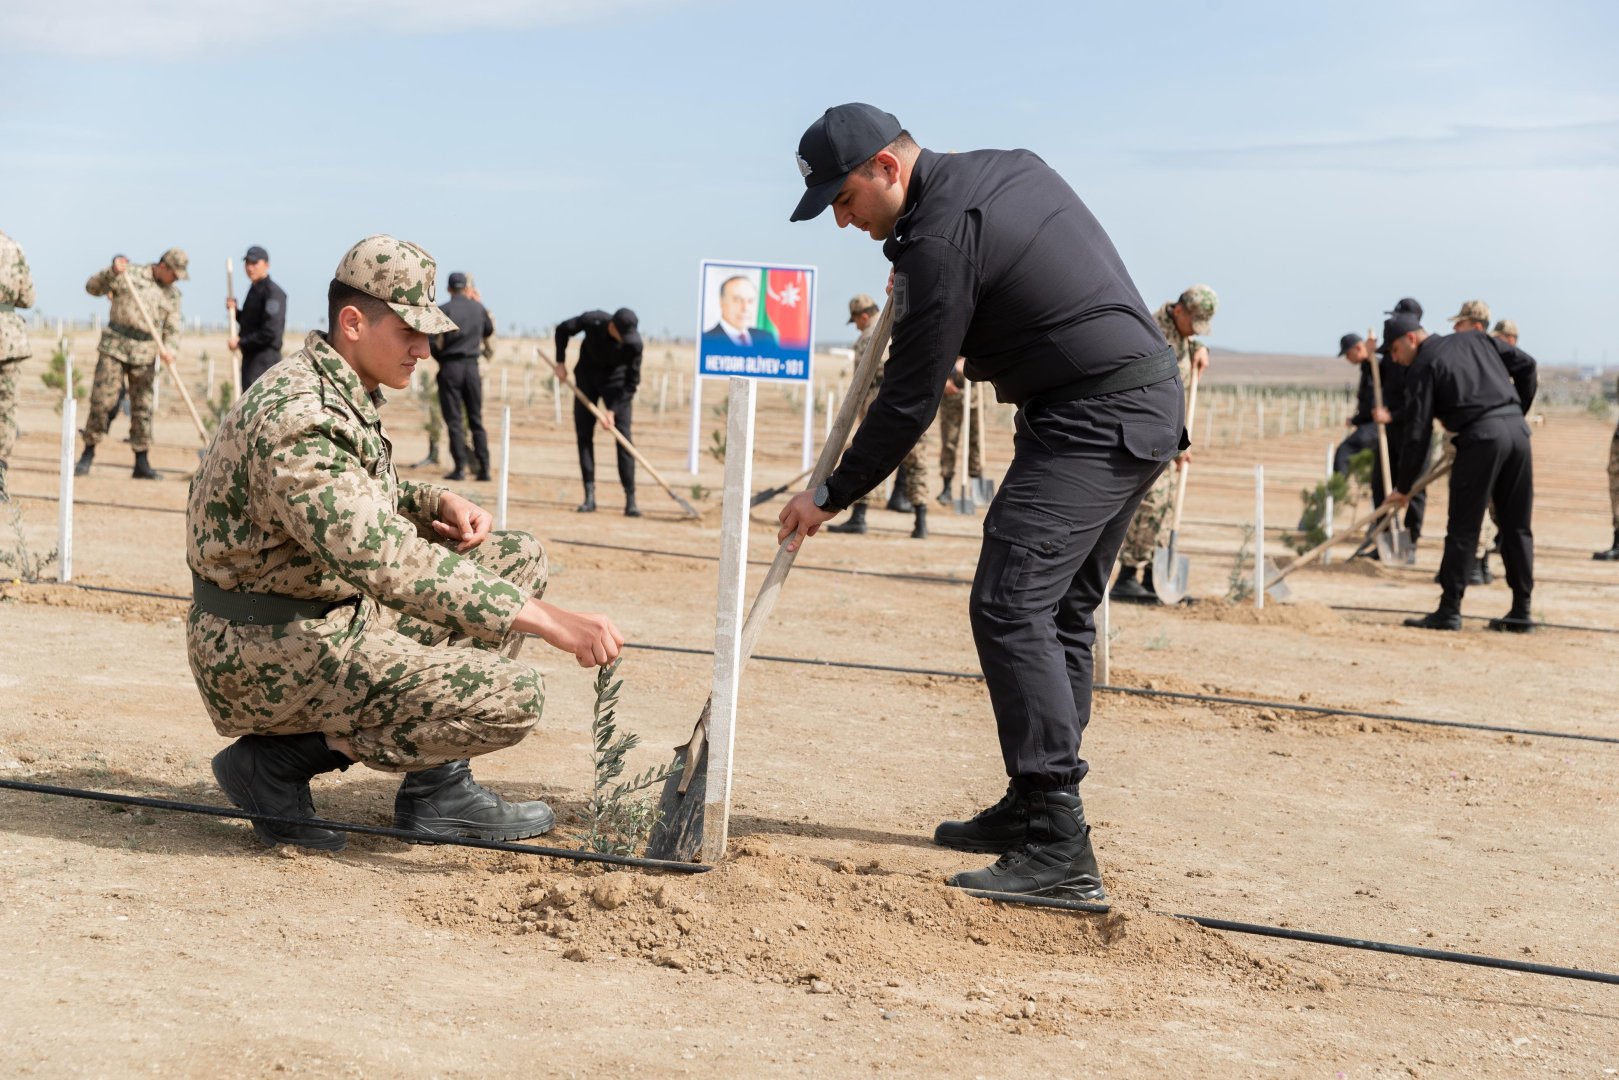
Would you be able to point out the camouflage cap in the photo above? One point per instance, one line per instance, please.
(1476, 310)
(175, 259)
(861, 302)
(1506, 328)
(1199, 302)
(402, 274)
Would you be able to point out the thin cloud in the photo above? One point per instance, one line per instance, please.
(180, 28)
(1465, 148)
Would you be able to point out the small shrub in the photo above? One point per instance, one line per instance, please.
(618, 821)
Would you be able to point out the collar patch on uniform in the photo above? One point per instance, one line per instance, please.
(804, 169)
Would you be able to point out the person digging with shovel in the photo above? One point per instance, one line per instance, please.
(995, 258)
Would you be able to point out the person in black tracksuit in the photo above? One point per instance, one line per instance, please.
(995, 258)
(460, 383)
(262, 321)
(1393, 417)
(1478, 387)
(608, 373)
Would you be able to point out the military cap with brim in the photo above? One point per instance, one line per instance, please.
(844, 138)
(1397, 326)
(1474, 310)
(861, 303)
(400, 273)
(175, 259)
(256, 254)
(1199, 302)
(1347, 342)
(1406, 306)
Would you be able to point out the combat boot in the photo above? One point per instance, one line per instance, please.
(1127, 590)
(269, 774)
(1612, 554)
(1516, 621)
(920, 530)
(991, 831)
(430, 459)
(1055, 858)
(944, 493)
(589, 505)
(456, 473)
(83, 467)
(856, 522)
(1443, 619)
(897, 501)
(630, 509)
(446, 801)
(143, 468)
(1479, 573)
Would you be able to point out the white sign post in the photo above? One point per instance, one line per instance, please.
(1259, 536)
(729, 615)
(64, 505)
(505, 465)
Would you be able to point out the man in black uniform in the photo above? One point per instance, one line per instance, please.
(1362, 434)
(996, 259)
(262, 320)
(460, 386)
(608, 373)
(1391, 416)
(1479, 387)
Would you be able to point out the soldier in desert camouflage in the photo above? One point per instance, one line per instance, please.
(127, 351)
(329, 595)
(16, 291)
(1179, 320)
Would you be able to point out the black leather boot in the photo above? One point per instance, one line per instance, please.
(1443, 619)
(630, 509)
(269, 774)
(856, 522)
(897, 501)
(999, 828)
(1055, 858)
(589, 505)
(83, 467)
(143, 467)
(1127, 590)
(483, 470)
(1612, 554)
(920, 530)
(1516, 621)
(944, 492)
(457, 473)
(447, 801)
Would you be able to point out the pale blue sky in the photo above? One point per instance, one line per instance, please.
(1312, 162)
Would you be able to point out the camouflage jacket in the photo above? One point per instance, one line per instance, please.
(126, 338)
(16, 291)
(882, 362)
(1184, 347)
(297, 495)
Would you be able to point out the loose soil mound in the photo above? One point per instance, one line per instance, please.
(1298, 616)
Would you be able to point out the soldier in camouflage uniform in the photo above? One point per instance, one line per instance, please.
(1612, 554)
(16, 291)
(912, 476)
(1179, 320)
(951, 415)
(329, 596)
(126, 351)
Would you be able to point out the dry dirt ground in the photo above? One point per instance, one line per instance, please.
(154, 943)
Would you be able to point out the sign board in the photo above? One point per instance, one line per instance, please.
(755, 320)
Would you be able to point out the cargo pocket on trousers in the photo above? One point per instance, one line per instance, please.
(1152, 441)
(1028, 536)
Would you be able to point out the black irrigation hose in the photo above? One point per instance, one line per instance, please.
(1481, 618)
(927, 579)
(1290, 934)
(364, 830)
(1108, 688)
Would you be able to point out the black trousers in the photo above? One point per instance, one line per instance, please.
(584, 430)
(1079, 470)
(1493, 462)
(1363, 437)
(461, 385)
(1417, 508)
(255, 365)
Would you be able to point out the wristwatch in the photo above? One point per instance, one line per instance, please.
(823, 500)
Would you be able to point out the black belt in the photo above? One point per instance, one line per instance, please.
(129, 331)
(263, 609)
(1499, 410)
(1132, 376)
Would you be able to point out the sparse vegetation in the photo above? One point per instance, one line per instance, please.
(54, 376)
(1239, 586)
(1313, 522)
(24, 563)
(619, 821)
(716, 446)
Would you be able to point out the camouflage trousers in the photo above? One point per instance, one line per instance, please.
(1613, 477)
(1152, 518)
(950, 416)
(404, 692)
(913, 471)
(8, 407)
(110, 376)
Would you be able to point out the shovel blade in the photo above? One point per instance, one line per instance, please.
(1170, 573)
(983, 489)
(1276, 590)
(965, 504)
(1394, 548)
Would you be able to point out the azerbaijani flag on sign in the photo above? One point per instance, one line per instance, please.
(785, 311)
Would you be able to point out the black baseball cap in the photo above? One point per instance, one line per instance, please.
(1397, 325)
(627, 321)
(1347, 342)
(457, 280)
(256, 254)
(1407, 306)
(845, 137)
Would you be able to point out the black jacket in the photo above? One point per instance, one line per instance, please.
(995, 259)
(606, 367)
(262, 319)
(473, 324)
(1394, 385)
(1458, 379)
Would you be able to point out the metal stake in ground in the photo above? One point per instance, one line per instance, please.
(679, 829)
(1170, 569)
(151, 328)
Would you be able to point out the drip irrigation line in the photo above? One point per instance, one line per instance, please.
(409, 835)
(1289, 934)
(1477, 618)
(927, 579)
(1107, 688)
